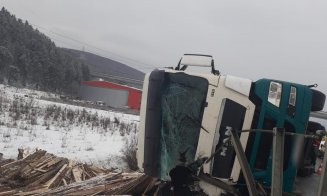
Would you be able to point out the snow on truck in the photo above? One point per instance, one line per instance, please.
(184, 117)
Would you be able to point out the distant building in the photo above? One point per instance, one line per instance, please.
(111, 94)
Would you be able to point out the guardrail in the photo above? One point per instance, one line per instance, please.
(320, 114)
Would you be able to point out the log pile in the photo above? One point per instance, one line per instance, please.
(109, 184)
(45, 173)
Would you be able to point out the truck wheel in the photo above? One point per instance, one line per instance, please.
(314, 126)
(318, 100)
(305, 171)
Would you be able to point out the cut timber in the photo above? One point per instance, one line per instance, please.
(53, 161)
(64, 181)
(43, 173)
(38, 191)
(4, 162)
(77, 173)
(40, 170)
(5, 193)
(48, 184)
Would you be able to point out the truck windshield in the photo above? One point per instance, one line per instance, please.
(183, 99)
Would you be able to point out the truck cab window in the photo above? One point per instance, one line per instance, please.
(292, 99)
(275, 92)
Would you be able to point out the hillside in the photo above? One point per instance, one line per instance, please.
(29, 58)
(102, 65)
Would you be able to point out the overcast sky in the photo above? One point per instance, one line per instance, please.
(280, 39)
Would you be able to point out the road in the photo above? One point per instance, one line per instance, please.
(308, 186)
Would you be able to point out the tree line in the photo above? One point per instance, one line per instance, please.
(28, 58)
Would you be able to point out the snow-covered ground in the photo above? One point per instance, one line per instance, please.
(82, 134)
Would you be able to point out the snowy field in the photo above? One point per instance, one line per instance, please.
(88, 135)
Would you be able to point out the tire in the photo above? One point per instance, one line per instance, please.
(305, 171)
(318, 100)
(314, 126)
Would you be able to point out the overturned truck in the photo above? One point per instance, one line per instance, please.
(183, 127)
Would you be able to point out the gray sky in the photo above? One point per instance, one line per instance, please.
(280, 39)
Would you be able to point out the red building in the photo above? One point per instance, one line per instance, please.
(112, 94)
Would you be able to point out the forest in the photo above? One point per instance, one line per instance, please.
(28, 58)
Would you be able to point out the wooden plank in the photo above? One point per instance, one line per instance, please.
(5, 193)
(68, 174)
(71, 163)
(87, 175)
(35, 156)
(48, 184)
(8, 176)
(4, 188)
(96, 170)
(95, 189)
(47, 176)
(64, 181)
(150, 186)
(115, 187)
(59, 179)
(40, 170)
(4, 162)
(88, 191)
(77, 174)
(45, 160)
(11, 163)
(70, 188)
(54, 161)
(34, 192)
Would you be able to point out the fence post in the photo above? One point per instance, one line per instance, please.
(277, 161)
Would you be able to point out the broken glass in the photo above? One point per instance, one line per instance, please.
(183, 98)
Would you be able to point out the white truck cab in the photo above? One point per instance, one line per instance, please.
(184, 118)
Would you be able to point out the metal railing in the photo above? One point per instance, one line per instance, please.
(277, 161)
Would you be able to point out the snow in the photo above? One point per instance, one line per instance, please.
(83, 134)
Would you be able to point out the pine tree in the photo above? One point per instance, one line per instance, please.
(28, 57)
